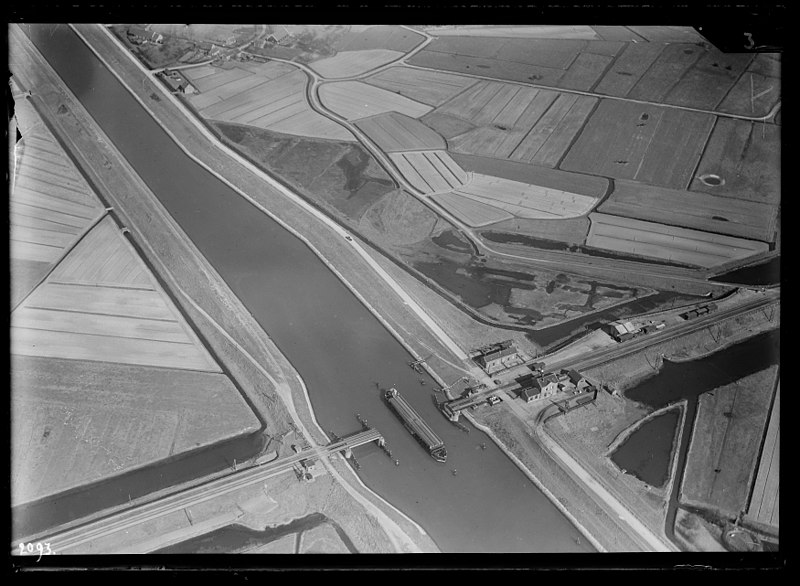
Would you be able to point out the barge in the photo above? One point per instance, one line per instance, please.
(421, 431)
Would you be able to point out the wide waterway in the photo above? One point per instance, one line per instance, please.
(479, 500)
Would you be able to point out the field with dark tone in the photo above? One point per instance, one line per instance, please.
(746, 156)
(394, 38)
(517, 295)
(77, 421)
(650, 144)
(541, 233)
(701, 211)
(340, 176)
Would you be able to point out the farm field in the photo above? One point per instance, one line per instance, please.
(353, 100)
(79, 421)
(430, 171)
(524, 32)
(524, 200)
(350, 63)
(102, 303)
(50, 203)
(486, 66)
(617, 33)
(668, 243)
(634, 60)
(535, 175)
(269, 95)
(746, 157)
(570, 231)
(673, 62)
(396, 132)
(700, 211)
(516, 122)
(567, 63)
(469, 211)
(723, 455)
(668, 34)
(765, 499)
(486, 200)
(429, 87)
(650, 144)
(753, 95)
(709, 80)
(393, 38)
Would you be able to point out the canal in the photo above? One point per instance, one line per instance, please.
(648, 458)
(339, 348)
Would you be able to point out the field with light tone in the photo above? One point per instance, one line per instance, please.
(429, 87)
(354, 99)
(102, 303)
(764, 504)
(667, 242)
(351, 63)
(265, 95)
(430, 171)
(50, 203)
(76, 421)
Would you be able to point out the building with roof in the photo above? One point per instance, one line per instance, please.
(497, 357)
(278, 34)
(622, 331)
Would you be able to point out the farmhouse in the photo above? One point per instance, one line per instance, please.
(497, 357)
(176, 82)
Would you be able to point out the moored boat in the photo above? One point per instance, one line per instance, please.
(421, 431)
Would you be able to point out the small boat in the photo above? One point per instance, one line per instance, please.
(412, 421)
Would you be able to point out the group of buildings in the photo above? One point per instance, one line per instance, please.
(542, 385)
(501, 356)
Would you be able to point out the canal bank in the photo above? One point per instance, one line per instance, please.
(322, 339)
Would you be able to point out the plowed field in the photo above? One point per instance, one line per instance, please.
(354, 100)
(430, 171)
(700, 211)
(654, 145)
(669, 243)
(395, 132)
(428, 87)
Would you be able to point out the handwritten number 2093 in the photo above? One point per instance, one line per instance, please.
(38, 547)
